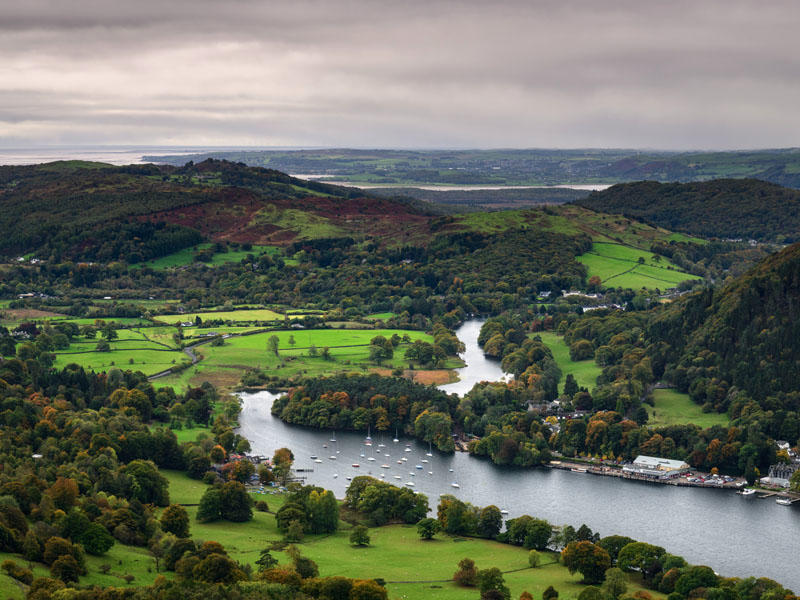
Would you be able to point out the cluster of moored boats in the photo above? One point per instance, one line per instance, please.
(425, 464)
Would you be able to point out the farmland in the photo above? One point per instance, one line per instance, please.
(585, 372)
(623, 266)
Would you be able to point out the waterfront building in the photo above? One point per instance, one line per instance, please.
(656, 468)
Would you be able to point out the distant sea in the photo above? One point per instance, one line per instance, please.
(115, 155)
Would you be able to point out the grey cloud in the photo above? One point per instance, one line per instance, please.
(442, 73)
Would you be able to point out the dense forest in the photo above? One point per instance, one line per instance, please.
(723, 208)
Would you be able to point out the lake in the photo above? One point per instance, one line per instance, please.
(735, 535)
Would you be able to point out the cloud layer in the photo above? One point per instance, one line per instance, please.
(534, 73)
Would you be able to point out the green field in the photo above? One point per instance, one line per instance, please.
(186, 256)
(396, 553)
(132, 350)
(618, 266)
(675, 408)
(585, 372)
(239, 316)
(349, 348)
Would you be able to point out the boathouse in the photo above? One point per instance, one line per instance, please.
(655, 467)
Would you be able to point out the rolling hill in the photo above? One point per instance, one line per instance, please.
(723, 208)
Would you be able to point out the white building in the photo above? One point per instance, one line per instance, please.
(657, 468)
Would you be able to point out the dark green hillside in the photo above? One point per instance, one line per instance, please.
(746, 334)
(725, 208)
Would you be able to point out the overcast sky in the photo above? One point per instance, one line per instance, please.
(668, 74)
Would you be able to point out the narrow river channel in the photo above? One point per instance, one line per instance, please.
(735, 535)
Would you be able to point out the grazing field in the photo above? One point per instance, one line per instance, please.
(238, 316)
(349, 351)
(132, 350)
(674, 408)
(585, 372)
(622, 266)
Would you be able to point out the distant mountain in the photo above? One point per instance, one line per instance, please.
(724, 208)
(745, 334)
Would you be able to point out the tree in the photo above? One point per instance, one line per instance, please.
(588, 559)
(640, 556)
(144, 483)
(490, 522)
(367, 590)
(492, 580)
(467, 574)
(294, 533)
(217, 568)
(266, 560)
(237, 504)
(550, 593)
(428, 527)
(359, 536)
(537, 534)
(272, 344)
(96, 540)
(175, 520)
(534, 558)
(64, 492)
(66, 569)
(210, 508)
(591, 592)
(570, 386)
(616, 583)
(695, 577)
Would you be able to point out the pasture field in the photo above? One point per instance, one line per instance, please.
(238, 316)
(349, 349)
(619, 266)
(131, 350)
(674, 408)
(585, 372)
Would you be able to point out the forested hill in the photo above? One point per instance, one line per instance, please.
(724, 208)
(746, 334)
(91, 211)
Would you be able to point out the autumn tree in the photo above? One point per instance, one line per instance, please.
(588, 559)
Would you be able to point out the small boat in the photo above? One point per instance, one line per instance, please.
(418, 467)
(430, 472)
(424, 460)
(319, 460)
(371, 458)
(349, 478)
(408, 450)
(429, 452)
(383, 474)
(368, 443)
(332, 457)
(324, 445)
(385, 467)
(356, 465)
(333, 437)
(455, 485)
(362, 455)
(397, 477)
(313, 457)
(579, 470)
(413, 474)
(369, 432)
(399, 462)
(504, 512)
(405, 459)
(410, 483)
(381, 445)
(395, 440)
(335, 475)
(784, 501)
(748, 492)
(451, 470)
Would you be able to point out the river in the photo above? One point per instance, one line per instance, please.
(736, 535)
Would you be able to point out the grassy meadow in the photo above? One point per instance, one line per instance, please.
(619, 266)
(349, 350)
(585, 372)
(674, 408)
(238, 316)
